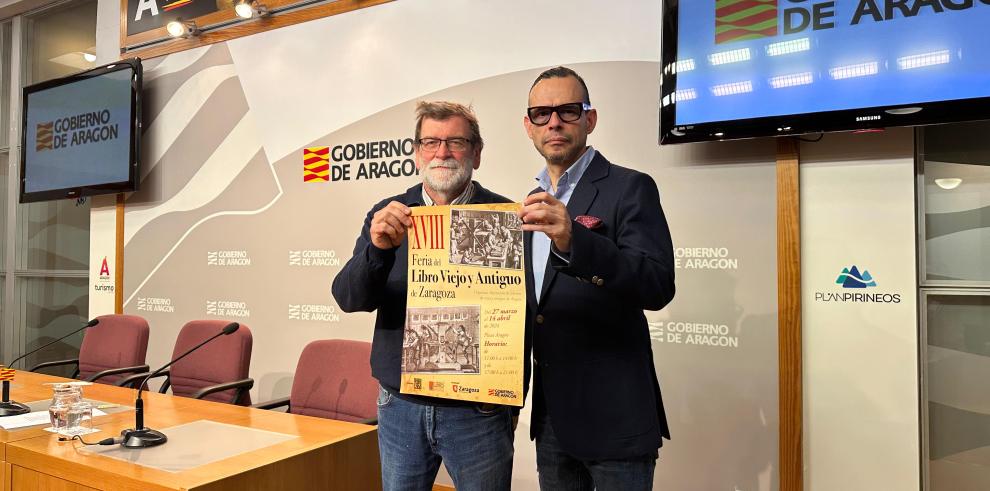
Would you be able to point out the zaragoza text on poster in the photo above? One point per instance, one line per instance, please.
(466, 309)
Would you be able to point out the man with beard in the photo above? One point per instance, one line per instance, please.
(415, 433)
(599, 254)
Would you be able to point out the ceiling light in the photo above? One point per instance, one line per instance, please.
(732, 56)
(246, 9)
(923, 60)
(852, 71)
(948, 182)
(182, 29)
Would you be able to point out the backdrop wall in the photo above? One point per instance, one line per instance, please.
(224, 226)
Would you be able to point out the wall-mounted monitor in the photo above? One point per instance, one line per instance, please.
(81, 134)
(749, 68)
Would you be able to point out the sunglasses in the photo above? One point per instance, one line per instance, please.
(568, 113)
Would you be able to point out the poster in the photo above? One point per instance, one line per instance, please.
(466, 306)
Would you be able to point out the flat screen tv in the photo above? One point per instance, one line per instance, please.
(749, 68)
(81, 134)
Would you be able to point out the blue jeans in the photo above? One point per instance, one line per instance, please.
(558, 470)
(474, 443)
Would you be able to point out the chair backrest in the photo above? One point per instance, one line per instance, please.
(333, 380)
(117, 341)
(225, 359)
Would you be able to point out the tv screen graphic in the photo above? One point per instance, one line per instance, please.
(80, 134)
(744, 68)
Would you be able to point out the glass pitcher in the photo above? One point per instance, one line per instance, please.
(65, 396)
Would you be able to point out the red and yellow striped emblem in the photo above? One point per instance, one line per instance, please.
(6, 374)
(44, 137)
(316, 164)
(175, 5)
(739, 20)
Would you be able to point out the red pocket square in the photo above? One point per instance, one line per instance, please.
(589, 221)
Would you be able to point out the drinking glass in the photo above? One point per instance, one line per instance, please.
(79, 419)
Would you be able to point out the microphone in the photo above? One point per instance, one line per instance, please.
(141, 437)
(11, 408)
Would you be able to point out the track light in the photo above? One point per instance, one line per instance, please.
(182, 28)
(948, 182)
(246, 9)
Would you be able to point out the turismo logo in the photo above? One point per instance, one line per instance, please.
(851, 278)
(103, 281)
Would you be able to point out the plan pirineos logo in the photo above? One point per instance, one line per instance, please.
(740, 20)
(852, 278)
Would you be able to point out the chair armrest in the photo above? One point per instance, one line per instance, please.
(133, 380)
(56, 363)
(369, 421)
(139, 369)
(272, 404)
(240, 385)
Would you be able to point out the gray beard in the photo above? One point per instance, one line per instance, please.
(457, 180)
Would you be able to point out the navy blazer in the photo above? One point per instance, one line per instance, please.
(375, 280)
(593, 362)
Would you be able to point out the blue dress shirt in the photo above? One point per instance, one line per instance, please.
(565, 188)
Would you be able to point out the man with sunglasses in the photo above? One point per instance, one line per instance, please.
(598, 253)
(416, 433)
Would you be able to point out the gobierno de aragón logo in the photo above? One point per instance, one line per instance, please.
(852, 279)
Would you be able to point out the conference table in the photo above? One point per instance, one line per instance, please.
(211, 446)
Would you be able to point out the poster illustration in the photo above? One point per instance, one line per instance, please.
(466, 306)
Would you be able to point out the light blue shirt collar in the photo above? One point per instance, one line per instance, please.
(569, 179)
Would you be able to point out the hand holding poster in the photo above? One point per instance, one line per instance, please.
(464, 329)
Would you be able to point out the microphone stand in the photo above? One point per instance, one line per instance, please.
(9, 407)
(141, 436)
(12, 408)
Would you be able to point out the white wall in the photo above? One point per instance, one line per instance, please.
(102, 227)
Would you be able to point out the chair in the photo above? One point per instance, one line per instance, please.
(114, 347)
(333, 380)
(217, 372)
